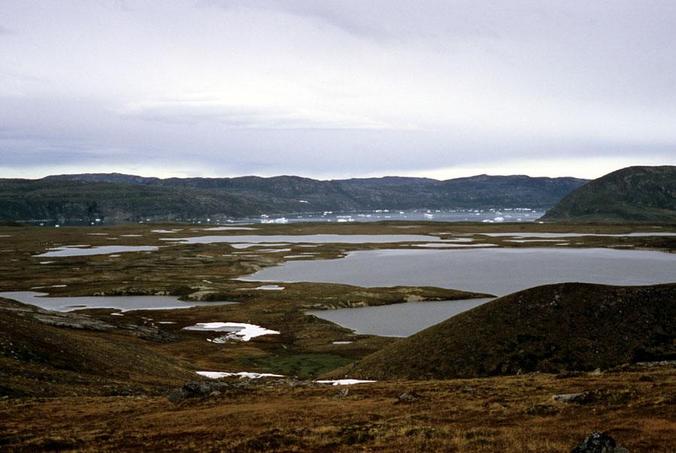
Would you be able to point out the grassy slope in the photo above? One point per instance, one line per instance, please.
(549, 328)
(501, 414)
(39, 359)
(633, 194)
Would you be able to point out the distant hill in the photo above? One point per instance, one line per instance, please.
(117, 197)
(570, 326)
(632, 194)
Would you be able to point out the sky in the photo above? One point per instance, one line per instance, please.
(336, 88)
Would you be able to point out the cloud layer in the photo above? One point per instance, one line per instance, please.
(336, 88)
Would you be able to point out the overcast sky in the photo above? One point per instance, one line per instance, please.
(333, 89)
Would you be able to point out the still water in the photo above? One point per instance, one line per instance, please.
(397, 320)
(122, 303)
(497, 271)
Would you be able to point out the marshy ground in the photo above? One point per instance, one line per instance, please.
(59, 393)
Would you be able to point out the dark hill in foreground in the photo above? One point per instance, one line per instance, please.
(551, 328)
(632, 194)
(45, 353)
(123, 198)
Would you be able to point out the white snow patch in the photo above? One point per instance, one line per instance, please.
(344, 381)
(176, 230)
(269, 288)
(236, 330)
(240, 374)
(342, 342)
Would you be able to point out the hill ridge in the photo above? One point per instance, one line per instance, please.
(551, 328)
(119, 197)
(631, 194)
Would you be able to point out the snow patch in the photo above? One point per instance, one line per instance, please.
(236, 331)
(344, 381)
(269, 288)
(240, 374)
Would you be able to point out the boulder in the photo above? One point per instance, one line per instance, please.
(599, 442)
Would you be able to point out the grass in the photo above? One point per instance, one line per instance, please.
(304, 366)
(552, 328)
(98, 391)
(514, 413)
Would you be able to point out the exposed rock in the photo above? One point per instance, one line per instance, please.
(343, 393)
(209, 389)
(407, 398)
(596, 396)
(570, 397)
(599, 443)
(72, 321)
(542, 410)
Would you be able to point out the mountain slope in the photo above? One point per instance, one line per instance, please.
(570, 326)
(632, 194)
(40, 355)
(117, 197)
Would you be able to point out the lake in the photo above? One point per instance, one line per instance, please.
(84, 250)
(307, 239)
(122, 303)
(397, 320)
(496, 271)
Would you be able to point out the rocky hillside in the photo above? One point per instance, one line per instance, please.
(551, 328)
(633, 194)
(45, 353)
(115, 197)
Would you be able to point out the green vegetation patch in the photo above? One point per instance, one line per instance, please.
(303, 366)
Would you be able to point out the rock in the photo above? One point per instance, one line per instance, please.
(344, 392)
(407, 398)
(609, 397)
(598, 442)
(542, 410)
(213, 389)
(570, 397)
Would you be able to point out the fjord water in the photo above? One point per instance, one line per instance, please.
(122, 303)
(497, 271)
(398, 320)
(307, 239)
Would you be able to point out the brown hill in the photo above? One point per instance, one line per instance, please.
(551, 328)
(45, 353)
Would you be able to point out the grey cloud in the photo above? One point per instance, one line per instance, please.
(245, 117)
(356, 87)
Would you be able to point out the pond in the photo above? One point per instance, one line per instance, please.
(497, 271)
(122, 303)
(397, 320)
(307, 239)
(84, 250)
